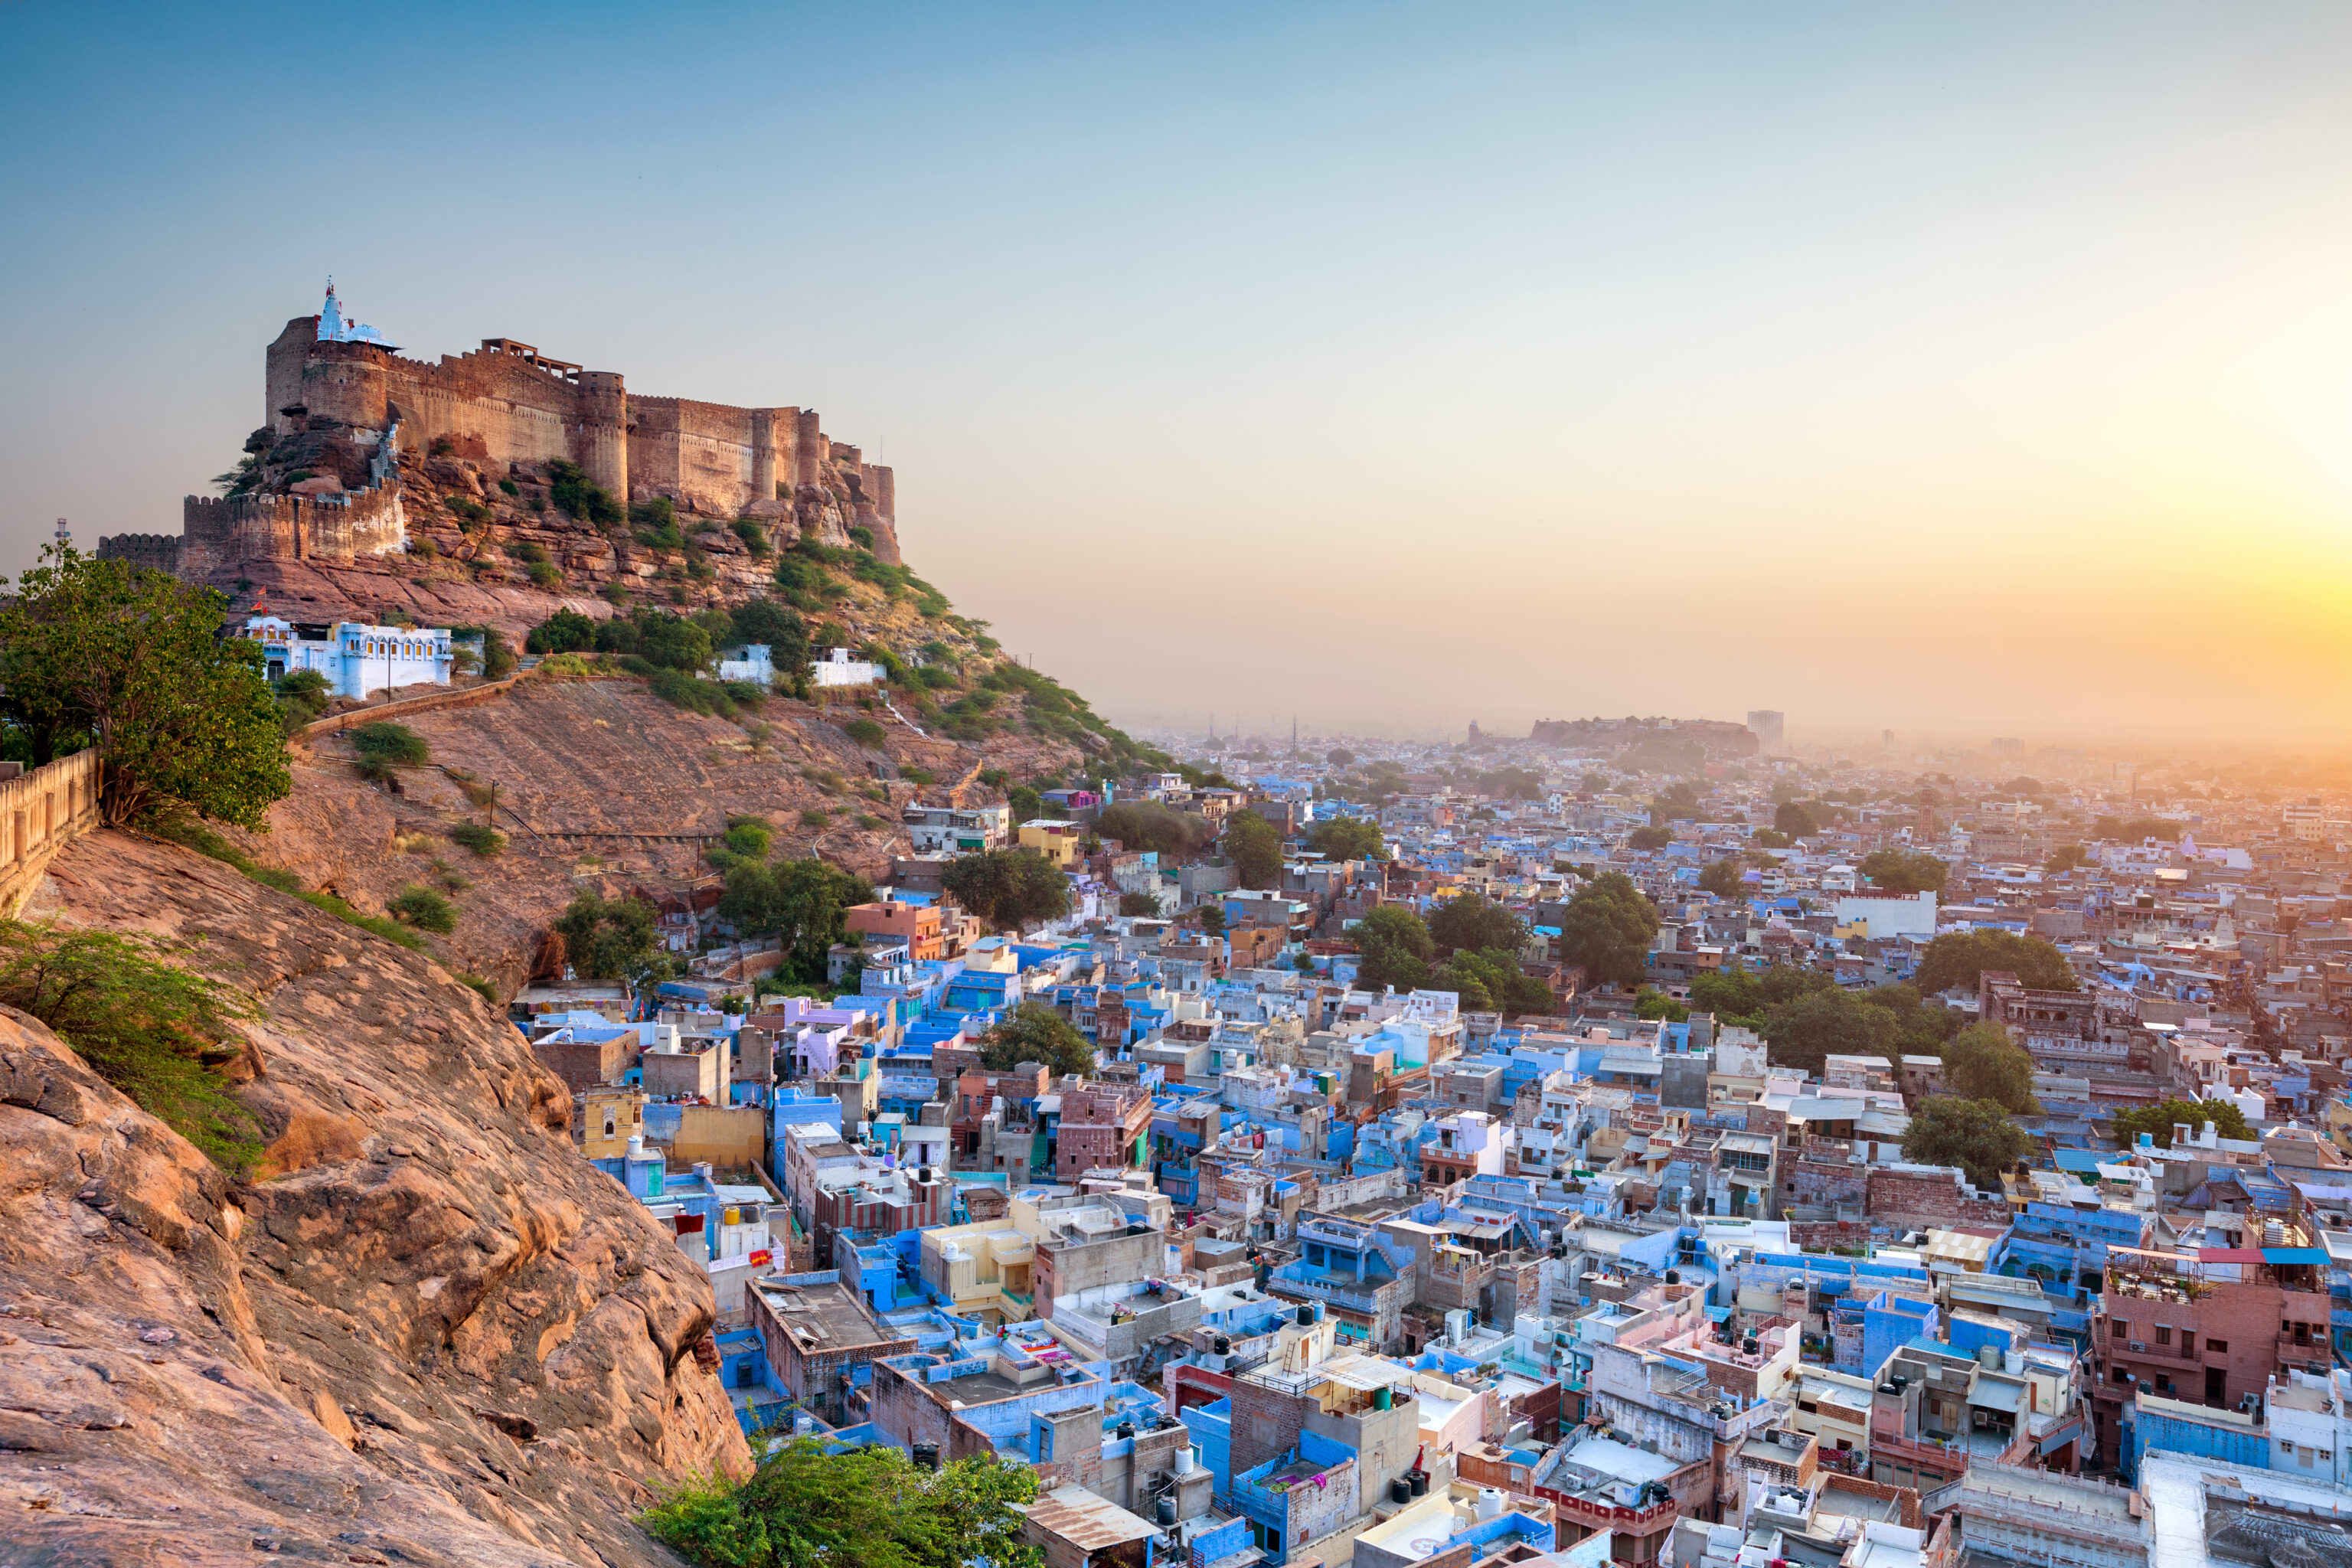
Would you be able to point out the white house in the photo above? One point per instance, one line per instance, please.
(754, 665)
(1888, 916)
(839, 668)
(355, 659)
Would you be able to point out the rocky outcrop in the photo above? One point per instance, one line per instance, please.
(444, 1339)
(603, 787)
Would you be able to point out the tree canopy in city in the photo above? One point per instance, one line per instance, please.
(1720, 878)
(1607, 929)
(1474, 922)
(1034, 1032)
(1347, 839)
(609, 940)
(1795, 818)
(1147, 825)
(1010, 889)
(1827, 1023)
(1977, 1135)
(804, 901)
(1395, 949)
(131, 660)
(2157, 1121)
(1905, 871)
(1981, 1062)
(1956, 958)
(1255, 846)
(1650, 838)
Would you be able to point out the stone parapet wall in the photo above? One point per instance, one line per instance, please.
(41, 812)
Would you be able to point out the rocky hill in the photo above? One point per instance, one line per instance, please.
(441, 1337)
(602, 786)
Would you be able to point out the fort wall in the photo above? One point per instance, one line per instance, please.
(216, 534)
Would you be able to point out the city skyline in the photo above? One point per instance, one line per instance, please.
(1962, 374)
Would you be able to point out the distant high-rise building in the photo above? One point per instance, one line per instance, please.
(2007, 746)
(1886, 740)
(1766, 726)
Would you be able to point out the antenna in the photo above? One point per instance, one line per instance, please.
(65, 535)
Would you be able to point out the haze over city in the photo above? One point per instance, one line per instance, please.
(1962, 371)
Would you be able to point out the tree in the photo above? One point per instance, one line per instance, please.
(2064, 858)
(1213, 919)
(1795, 819)
(1347, 839)
(384, 746)
(1255, 846)
(2157, 1121)
(1607, 929)
(159, 1032)
(1134, 904)
(1650, 1004)
(1490, 981)
(608, 940)
(1395, 949)
(1008, 889)
(1025, 803)
(1955, 959)
(1650, 838)
(566, 631)
(1148, 824)
(1977, 1135)
(1921, 1027)
(1981, 1062)
(1769, 839)
(2134, 829)
(1903, 872)
(131, 660)
(1474, 922)
(1339, 756)
(1828, 1023)
(1034, 1032)
(868, 1507)
(1721, 878)
(785, 632)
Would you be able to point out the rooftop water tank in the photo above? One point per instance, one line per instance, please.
(1490, 1502)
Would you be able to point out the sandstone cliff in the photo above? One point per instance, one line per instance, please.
(449, 1341)
(601, 786)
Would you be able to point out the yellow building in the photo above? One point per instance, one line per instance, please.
(1057, 841)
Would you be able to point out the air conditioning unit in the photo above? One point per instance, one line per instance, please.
(2137, 1348)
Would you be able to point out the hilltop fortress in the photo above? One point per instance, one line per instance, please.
(356, 438)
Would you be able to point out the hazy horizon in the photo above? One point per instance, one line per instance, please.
(1962, 372)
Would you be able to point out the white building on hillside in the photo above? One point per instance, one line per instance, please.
(355, 659)
(838, 667)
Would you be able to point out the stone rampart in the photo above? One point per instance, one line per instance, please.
(41, 812)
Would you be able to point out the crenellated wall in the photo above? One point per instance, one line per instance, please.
(725, 461)
(218, 532)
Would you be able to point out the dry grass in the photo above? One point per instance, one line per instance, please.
(312, 1138)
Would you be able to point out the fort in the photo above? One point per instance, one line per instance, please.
(364, 412)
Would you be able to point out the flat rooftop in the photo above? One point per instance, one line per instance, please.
(821, 1318)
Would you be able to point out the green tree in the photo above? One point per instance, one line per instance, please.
(1034, 1032)
(384, 746)
(785, 632)
(302, 696)
(2064, 858)
(1491, 980)
(1827, 1023)
(1607, 929)
(1956, 958)
(608, 940)
(2132, 830)
(566, 631)
(1347, 839)
(1148, 824)
(1025, 803)
(1796, 819)
(2157, 1121)
(1769, 839)
(1904, 872)
(866, 732)
(1476, 924)
(156, 1030)
(1981, 1062)
(1137, 904)
(868, 1507)
(1008, 889)
(1721, 878)
(1255, 846)
(1650, 838)
(1213, 919)
(1395, 949)
(131, 660)
(1921, 1026)
(1339, 756)
(1977, 1135)
(1650, 1004)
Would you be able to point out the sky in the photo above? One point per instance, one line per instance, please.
(1962, 370)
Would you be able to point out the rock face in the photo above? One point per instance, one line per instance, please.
(449, 1341)
(601, 786)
